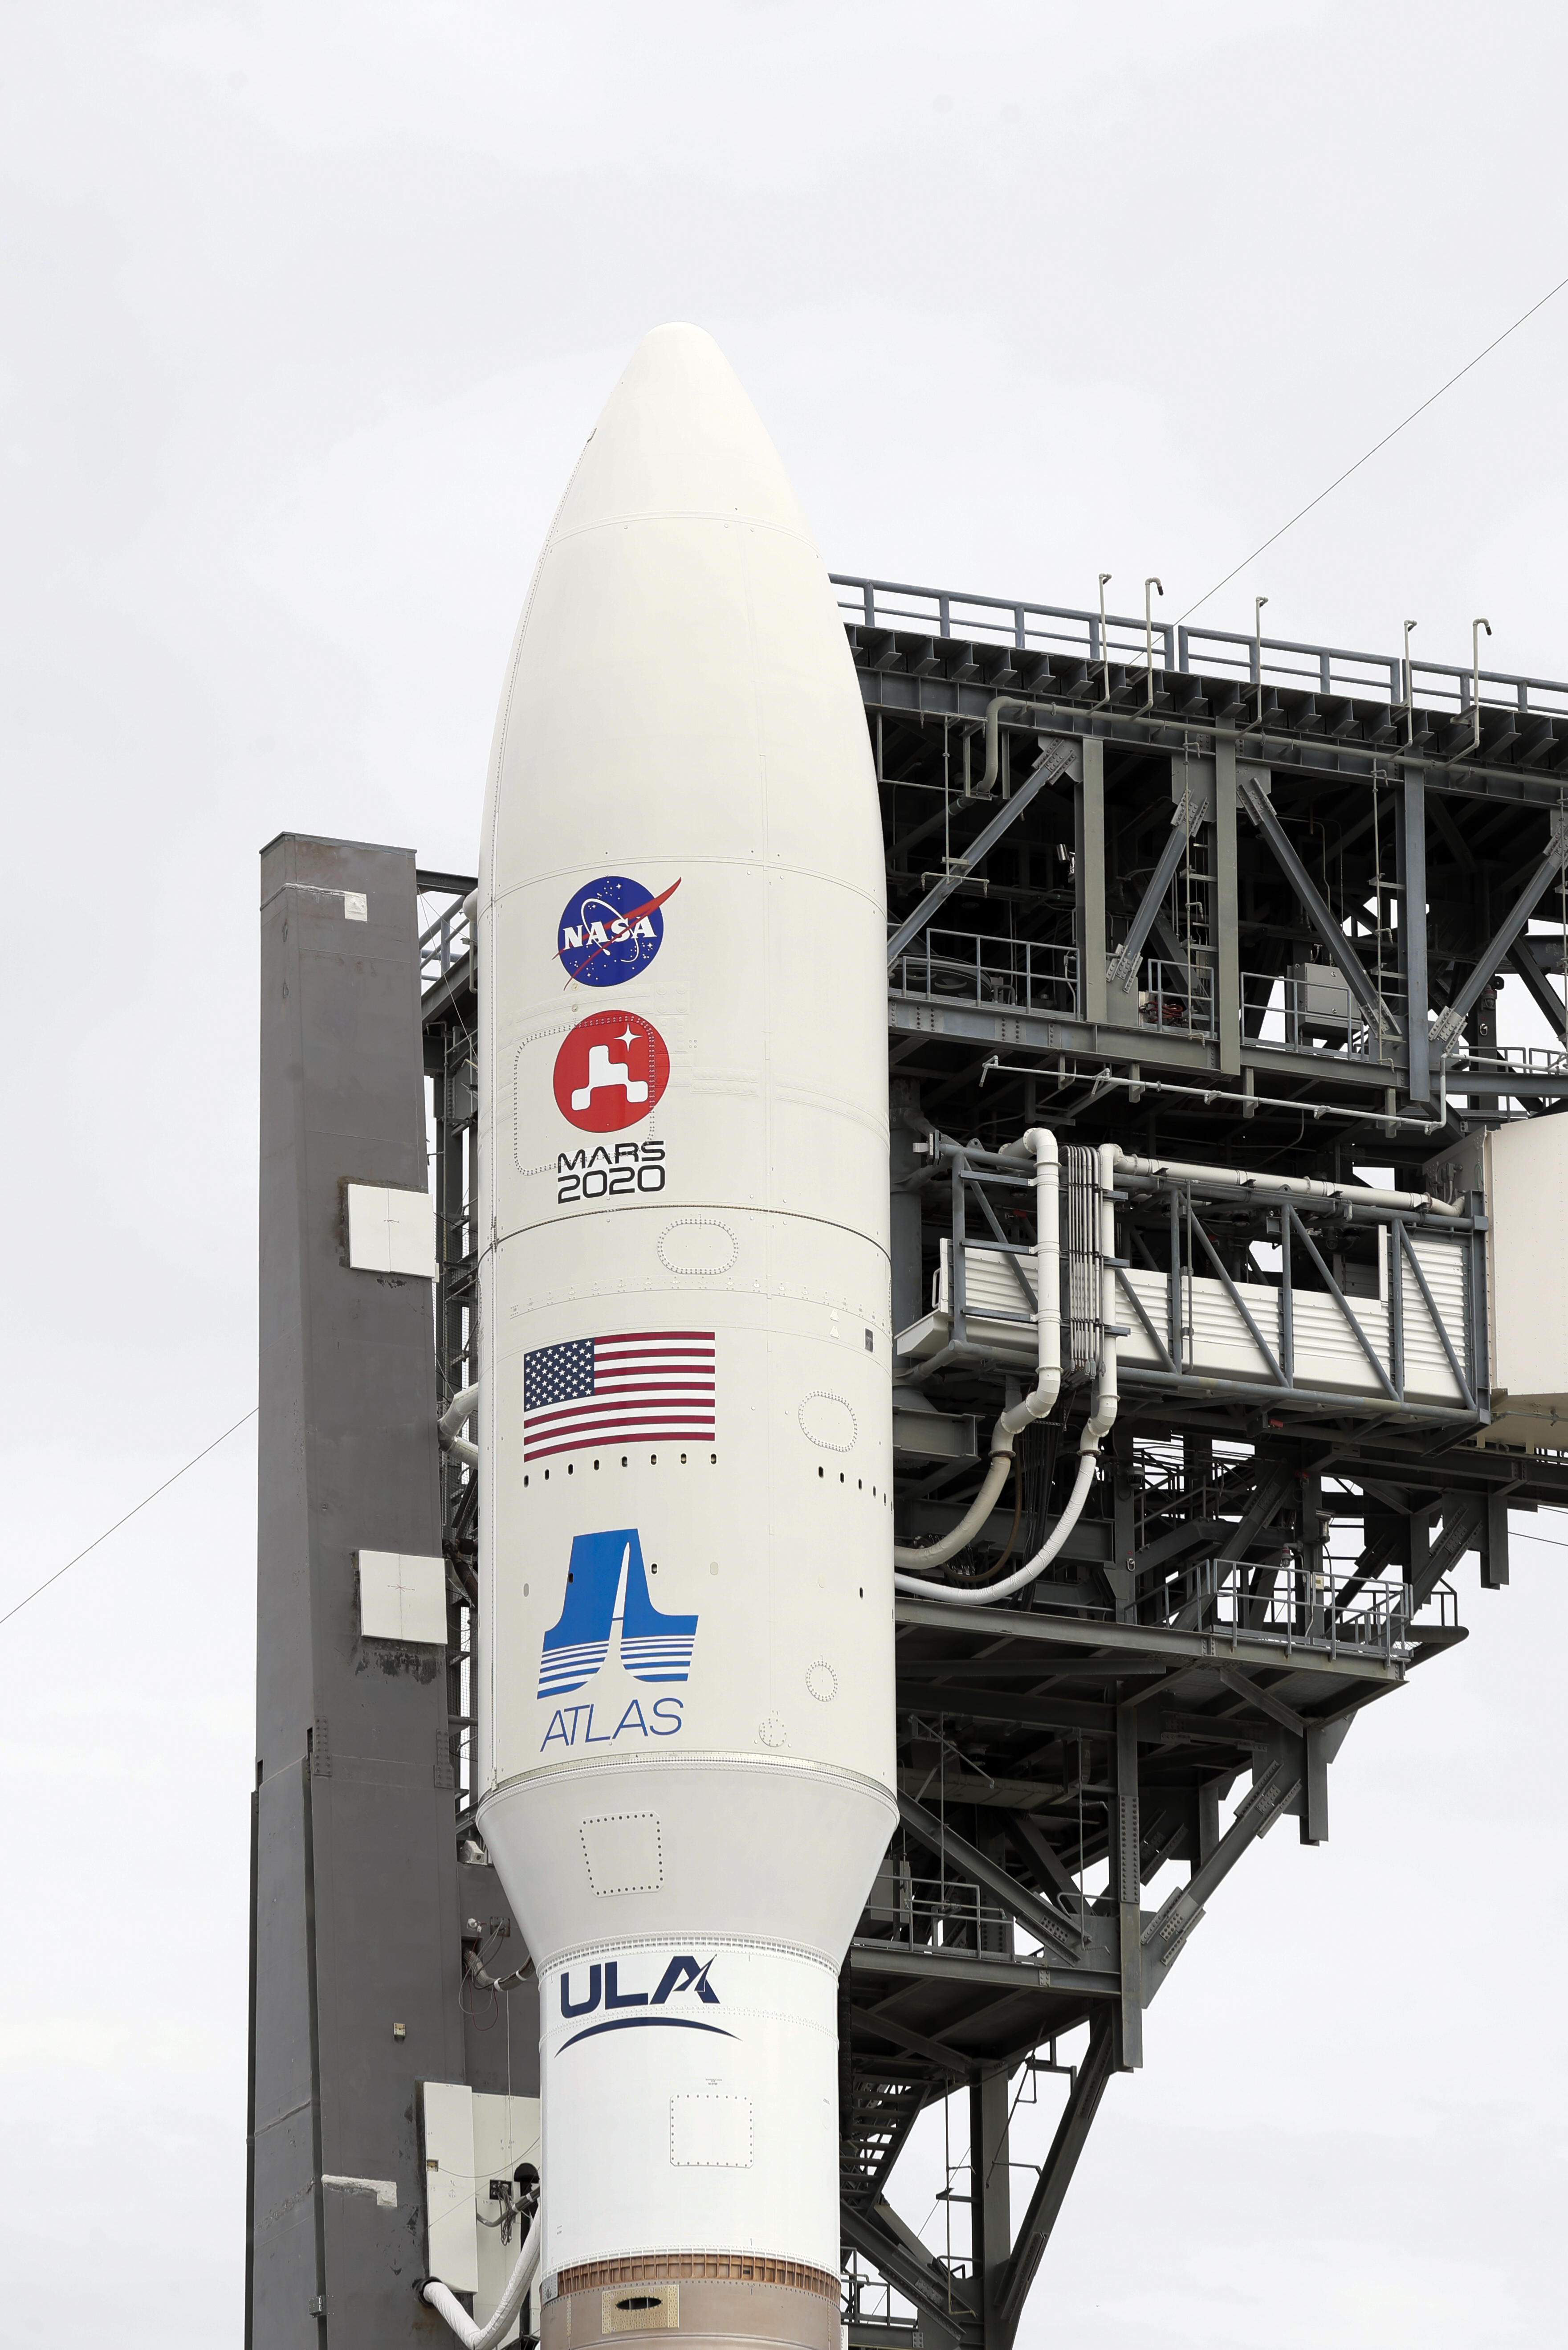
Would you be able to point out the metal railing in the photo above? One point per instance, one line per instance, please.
(868, 2300)
(1316, 1011)
(962, 1918)
(1331, 1608)
(446, 941)
(1329, 670)
(1518, 1060)
(967, 967)
(1177, 995)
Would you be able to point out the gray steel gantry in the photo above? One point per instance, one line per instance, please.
(364, 1899)
(1170, 918)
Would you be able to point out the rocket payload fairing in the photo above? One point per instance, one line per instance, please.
(686, 1723)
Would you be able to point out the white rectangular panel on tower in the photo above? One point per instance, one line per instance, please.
(446, 2137)
(391, 1230)
(400, 1597)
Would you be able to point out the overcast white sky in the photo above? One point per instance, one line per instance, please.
(306, 312)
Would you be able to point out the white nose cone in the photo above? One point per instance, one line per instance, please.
(687, 1710)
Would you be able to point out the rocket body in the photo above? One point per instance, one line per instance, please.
(686, 1717)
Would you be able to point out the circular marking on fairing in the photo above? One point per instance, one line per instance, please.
(828, 1421)
(822, 1681)
(697, 1245)
(772, 1731)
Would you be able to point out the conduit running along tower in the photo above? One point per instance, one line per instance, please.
(686, 1731)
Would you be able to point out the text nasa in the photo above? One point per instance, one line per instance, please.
(596, 934)
(599, 1173)
(664, 1723)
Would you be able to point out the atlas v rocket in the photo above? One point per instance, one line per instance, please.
(685, 1452)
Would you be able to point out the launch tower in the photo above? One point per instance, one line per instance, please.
(1197, 1107)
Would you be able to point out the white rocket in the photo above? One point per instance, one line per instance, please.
(686, 1724)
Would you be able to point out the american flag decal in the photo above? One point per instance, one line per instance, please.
(638, 1387)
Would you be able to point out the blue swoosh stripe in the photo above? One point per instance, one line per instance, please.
(631, 2023)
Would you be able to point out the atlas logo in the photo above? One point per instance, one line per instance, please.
(610, 1071)
(681, 1975)
(607, 1604)
(611, 930)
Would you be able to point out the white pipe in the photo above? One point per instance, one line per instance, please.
(1291, 1187)
(484, 2337)
(462, 1408)
(1042, 1143)
(1102, 1416)
(1103, 1409)
(926, 1561)
(957, 1595)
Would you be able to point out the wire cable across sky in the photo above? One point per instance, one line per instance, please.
(1372, 453)
(130, 1514)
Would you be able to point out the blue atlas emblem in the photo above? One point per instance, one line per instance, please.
(606, 1600)
(610, 929)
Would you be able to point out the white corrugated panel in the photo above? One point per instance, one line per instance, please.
(1428, 1377)
(446, 2110)
(995, 1301)
(1328, 1353)
(1527, 1204)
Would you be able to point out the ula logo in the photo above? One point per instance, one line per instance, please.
(682, 1973)
(606, 1599)
(611, 930)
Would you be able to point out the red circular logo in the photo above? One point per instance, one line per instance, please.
(610, 1070)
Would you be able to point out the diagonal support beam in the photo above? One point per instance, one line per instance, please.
(1264, 1699)
(926, 2283)
(1055, 2178)
(1167, 1361)
(1408, 1256)
(1547, 1001)
(1035, 1841)
(1274, 1489)
(1189, 1533)
(1166, 1934)
(1189, 813)
(1237, 1300)
(1550, 868)
(1055, 762)
(1346, 1309)
(877, 2022)
(1362, 985)
(1464, 1524)
(1064, 1934)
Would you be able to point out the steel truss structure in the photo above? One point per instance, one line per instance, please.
(1217, 900)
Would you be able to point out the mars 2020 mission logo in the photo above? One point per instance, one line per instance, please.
(610, 1071)
(611, 930)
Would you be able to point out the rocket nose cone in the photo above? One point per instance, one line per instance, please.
(678, 437)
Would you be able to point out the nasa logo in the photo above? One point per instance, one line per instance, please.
(611, 930)
(611, 1070)
(682, 1973)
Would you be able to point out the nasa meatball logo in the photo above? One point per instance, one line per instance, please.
(610, 1071)
(611, 930)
